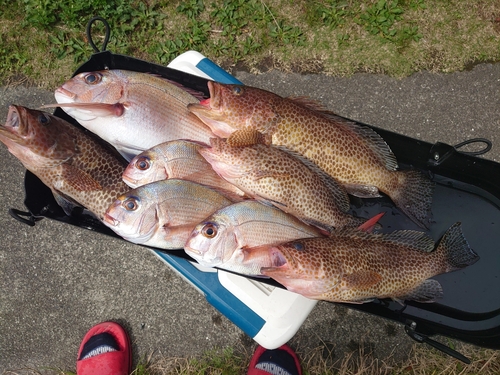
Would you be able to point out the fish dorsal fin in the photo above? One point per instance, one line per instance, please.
(373, 140)
(337, 190)
(197, 94)
(247, 137)
(309, 103)
(409, 238)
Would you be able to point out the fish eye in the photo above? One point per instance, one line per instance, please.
(237, 90)
(209, 230)
(299, 246)
(143, 163)
(131, 204)
(92, 78)
(43, 119)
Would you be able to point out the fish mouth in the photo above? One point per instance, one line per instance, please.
(13, 119)
(12, 128)
(63, 95)
(191, 251)
(110, 221)
(188, 245)
(210, 103)
(132, 182)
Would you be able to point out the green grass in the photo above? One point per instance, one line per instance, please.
(333, 37)
(422, 360)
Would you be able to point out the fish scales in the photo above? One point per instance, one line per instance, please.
(225, 239)
(162, 213)
(351, 266)
(353, 154)
(132, 111)
(175, 159)
(275, 176)
(74, 165)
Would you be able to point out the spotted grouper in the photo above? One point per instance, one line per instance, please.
(353, 154)
(272, 175)
(78, 168)
(352, 266)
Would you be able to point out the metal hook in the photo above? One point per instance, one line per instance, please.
(410, 330)
(19, 216)
(106, 35)
(487, 142)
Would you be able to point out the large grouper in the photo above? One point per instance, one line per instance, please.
(353, 154)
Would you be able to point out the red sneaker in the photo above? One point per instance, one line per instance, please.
(278, 361)
(105, 350)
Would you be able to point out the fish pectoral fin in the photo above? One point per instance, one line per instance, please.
(270, 203)
(78, 179)
(247, 137)
(67, 204)
(363, 279)
(362, 191)
(260, 174)
(428, 291)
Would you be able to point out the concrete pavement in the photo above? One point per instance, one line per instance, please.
(56, 281)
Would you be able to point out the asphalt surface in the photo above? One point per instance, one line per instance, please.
(57, 281)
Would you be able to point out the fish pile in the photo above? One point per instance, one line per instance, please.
(245, 180)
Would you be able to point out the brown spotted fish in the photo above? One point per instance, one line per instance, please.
(76, 167)
(353, 154)
(277, 177)
(352, 266)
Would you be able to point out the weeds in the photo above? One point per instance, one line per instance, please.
(422, 360)
(338, 37)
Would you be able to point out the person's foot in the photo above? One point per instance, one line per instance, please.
(281, 361)
(105, 350)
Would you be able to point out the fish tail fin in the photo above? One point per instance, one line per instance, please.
(455, 249)
(369, 225)
(414, 196)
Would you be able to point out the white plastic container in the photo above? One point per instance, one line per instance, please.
(271, 316)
